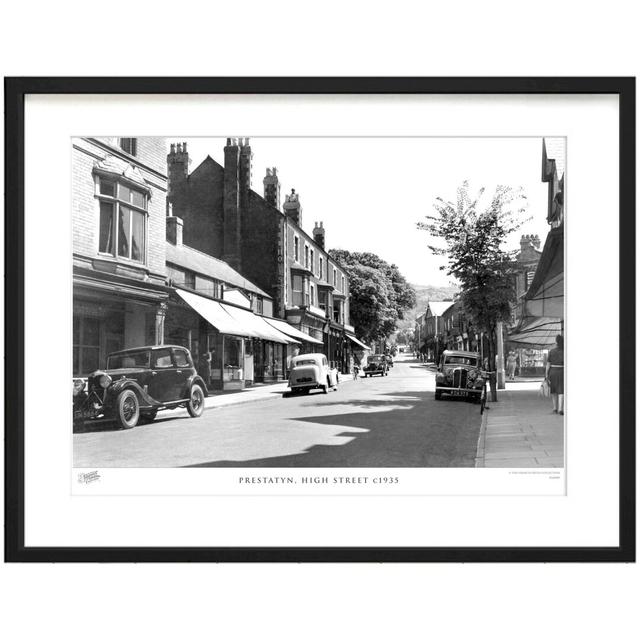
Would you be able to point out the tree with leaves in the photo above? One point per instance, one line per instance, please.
(380, 295)
(474, 235)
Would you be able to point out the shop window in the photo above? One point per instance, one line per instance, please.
(123, 219)
(233, 358)
(130, 145)
(86, 344)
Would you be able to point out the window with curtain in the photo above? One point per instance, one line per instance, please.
(123, 220)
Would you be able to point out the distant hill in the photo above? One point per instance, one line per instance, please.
(424, 293)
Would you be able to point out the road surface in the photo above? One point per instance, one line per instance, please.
(391, 421)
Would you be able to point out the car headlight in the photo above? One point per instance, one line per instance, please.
(104, 380)
(78, 386)
(472, 375)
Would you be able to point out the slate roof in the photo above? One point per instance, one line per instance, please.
(206, 265)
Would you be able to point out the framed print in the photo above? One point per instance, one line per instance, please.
(320, 319)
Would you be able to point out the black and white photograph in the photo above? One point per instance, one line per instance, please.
(358, 316)
(318, 302)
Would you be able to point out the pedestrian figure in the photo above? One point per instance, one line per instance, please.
(554, 375)
(511, 365)
(356, 371)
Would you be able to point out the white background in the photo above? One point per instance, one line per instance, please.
(321, 601)
(587, 516)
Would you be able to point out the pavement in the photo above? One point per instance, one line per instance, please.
(520, 430)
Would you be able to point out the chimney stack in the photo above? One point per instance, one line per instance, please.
(318, 234)
(271, 185)
(292, 207)
(525, 242)
(246, 158)
(536, 241)
(231, 203)
(174, 230)
(177, 173)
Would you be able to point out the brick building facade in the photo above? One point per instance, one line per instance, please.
(263, 239)
(118, 228)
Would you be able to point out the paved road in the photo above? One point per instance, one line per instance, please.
(392, 421)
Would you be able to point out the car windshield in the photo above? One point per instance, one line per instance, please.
(461, 360)
(300, 363)
(128, 360)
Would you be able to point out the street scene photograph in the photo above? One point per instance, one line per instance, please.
(318, 302)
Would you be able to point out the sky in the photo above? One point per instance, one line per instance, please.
(371, 192)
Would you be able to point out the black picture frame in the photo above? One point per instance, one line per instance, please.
(15, 91)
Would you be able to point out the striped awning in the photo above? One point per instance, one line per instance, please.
(360, 345)
(291, 331)
(537, 332)
(232, 320)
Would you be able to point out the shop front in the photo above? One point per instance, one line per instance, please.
(235, 348)
(112, 313)
(301, 342)
(358, 350)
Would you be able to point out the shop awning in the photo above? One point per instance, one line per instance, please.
(232, 320)
(260, 327)
(287, 329)
(357, 342)
(213, 312)
(545, 297)
(537, 333)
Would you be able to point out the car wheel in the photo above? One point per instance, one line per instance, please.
(148, 417)
(127, 409)
(195, 406)
(325, 388)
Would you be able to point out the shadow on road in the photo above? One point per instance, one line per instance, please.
(409, 429)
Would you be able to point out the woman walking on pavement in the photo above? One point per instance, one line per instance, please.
(511, 365)
(555, 375)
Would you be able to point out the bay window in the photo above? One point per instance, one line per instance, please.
(123, 220)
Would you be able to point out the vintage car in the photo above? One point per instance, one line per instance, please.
(312, 371)
(460, 374)
(376, 365)
(138, 383)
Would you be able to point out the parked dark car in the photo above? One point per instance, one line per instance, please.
(460, 374)
(376, 366)
(138, 383)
